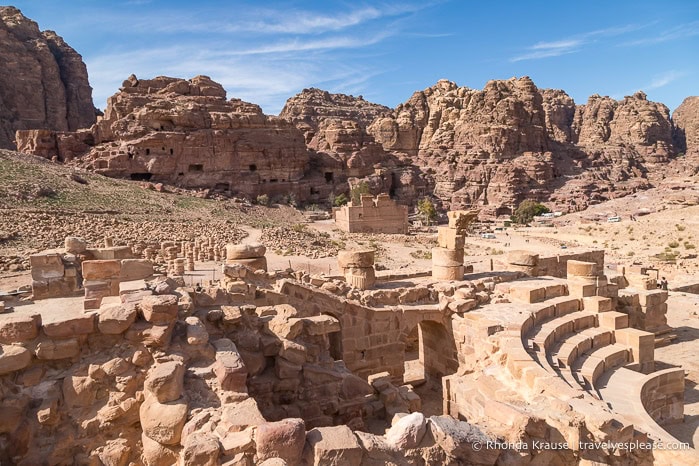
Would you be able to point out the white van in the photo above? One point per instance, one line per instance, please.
(614, 219)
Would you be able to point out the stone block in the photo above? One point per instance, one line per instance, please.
(321, 325)
(613, 320)
(58, 349)
(447, 257)
(236, 417)
(165, 381)
(155, 336)
(116, 318)
(597, 304)
(333, 445)
(75, 245)
(449, 238)
(70, 326)
(258, 263)
(14, 358)
(159, 309)
(523, 258)
(196, 331)
(163, 422)
(641, 343)
(135, 269)
(355, 258)
(19, 328)
(576, 268)
(581, 290)
(101, 269)
(245, 251)
(229, 367)
(447, 273)
(46, 266)
(652, 298)
(527, 294)
(283, 439)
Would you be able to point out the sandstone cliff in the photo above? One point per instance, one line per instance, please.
(494, 147)
(43, 81)
(686, 119)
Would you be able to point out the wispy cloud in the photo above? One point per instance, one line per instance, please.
(683, 31)
(572, 44)
(664, 79)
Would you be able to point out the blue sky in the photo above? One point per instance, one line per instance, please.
(266, 51)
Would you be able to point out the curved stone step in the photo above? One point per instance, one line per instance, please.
(589, 366)
(544, 336)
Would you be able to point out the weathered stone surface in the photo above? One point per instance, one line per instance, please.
(101, 269)
(159, 309)
(14, 358)
(457, 439)
(283, 439)
(79, 391)
(69, 326)
(245, 251)
(75, 245)
(355, 258)
(163, 422)
(686, 119)
(236, 417)
(333, 446)
(46, 86)
(407, 432)
(156, 454)
(229, 367)
(196, 331)
(157, 336)
(116, 318)
(58, 349)
(201, 449)
(166, 381)
(17, 329)
(135, 269)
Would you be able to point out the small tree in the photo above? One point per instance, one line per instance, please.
(356, 192)
(340, 200)
(426, 209)
(263, 199)
(527, 210)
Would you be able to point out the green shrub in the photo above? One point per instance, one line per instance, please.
(426, 210)
(262, 199)
(339, 201)
(527, 210)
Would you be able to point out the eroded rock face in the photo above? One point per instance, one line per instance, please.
(686, 119)
(43, 81)
(510, 141)
(184, 132)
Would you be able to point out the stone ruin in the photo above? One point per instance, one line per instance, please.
(448, 257)
(373, 215)
(285, 367)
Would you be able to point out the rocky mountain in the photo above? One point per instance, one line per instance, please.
(510, 141)
(686, 120)
(489, 148)
(43, 81)
(183, 132)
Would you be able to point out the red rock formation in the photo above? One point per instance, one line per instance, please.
(185, 133)
(510, 141)
(43, 81)
(686, 119)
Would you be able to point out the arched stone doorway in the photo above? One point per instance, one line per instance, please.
(430, 354)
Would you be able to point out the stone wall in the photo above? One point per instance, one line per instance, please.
(373, 215)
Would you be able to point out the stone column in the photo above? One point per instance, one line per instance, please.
(523, 261)
(448, 257)
(251, 255)
(358, 268)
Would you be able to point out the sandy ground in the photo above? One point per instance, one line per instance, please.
(683, 317)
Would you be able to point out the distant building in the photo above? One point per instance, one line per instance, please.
(379, 215)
